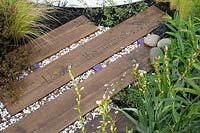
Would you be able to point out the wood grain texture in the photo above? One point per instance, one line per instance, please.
(54, 75)
(59, 113)
(57, 39)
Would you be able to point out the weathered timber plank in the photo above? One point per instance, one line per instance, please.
(121, 122)
(60, 42)
(59, 113)
(58, 39)
(54, 75)
(71, 25)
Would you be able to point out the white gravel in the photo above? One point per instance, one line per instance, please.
(4, 112)
(13, 119)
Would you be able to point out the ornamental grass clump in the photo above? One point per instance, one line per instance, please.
(19, 21)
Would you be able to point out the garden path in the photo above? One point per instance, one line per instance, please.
(55, 115)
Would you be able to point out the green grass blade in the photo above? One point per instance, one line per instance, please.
(127, 115)
(131, 109)
(190, 82)
(197, 66)
(192, 91)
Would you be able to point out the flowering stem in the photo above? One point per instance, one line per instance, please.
(158, 74)
(78, 99)
(103, 106)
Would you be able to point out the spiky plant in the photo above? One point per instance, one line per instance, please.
(20, 20)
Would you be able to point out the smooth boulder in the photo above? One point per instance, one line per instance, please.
(151, 40)
(155, 52)
(165, 42)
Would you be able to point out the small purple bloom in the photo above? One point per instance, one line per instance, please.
(98, 68)
(141, 41)
(36, 66)
(179, 75)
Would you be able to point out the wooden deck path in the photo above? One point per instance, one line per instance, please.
(56, 115)
(58, 39)
(43, 47)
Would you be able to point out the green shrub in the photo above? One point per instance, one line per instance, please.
(116, 14)
(113, 15)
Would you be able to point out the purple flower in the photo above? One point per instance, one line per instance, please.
(36, 66)
(179, 75)
(98, 68)
(141, 41)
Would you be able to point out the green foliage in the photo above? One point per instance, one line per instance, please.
(186, 8)
(114, 15)
(126, 98)
(168, 100)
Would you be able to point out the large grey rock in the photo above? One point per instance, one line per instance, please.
(165, 42)
(151, 40)
(155, 52)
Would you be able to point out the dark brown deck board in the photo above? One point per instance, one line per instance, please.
(59, 38)
(59, 113)
(54, 75)
(69, 26)
(62, 41)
